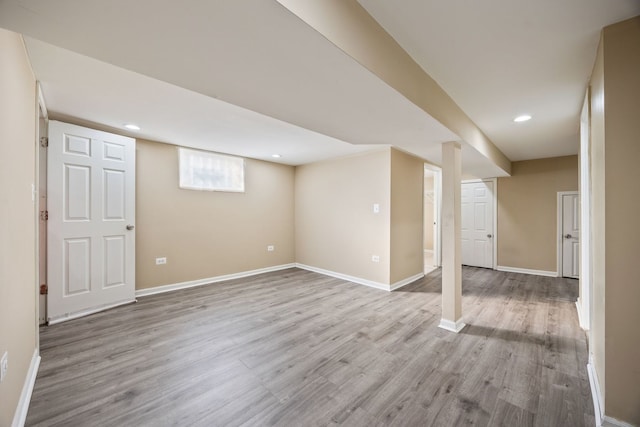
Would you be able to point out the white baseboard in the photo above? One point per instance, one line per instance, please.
(71, 316)
(527, 271)
(612, 422)
(596, 396)
(580, 318)
(354, 279)
(406, 281)
(579, 311)
(207, 281)
(361, 281)
(602, 420)
(20, 416)
(452, 326)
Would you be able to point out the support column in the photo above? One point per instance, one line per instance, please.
(451, 226)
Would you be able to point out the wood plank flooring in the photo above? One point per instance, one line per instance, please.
(296, 348)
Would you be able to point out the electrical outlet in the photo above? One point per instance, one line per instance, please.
(375, 258)
(160, 261)
(271, 248)
(4, 366)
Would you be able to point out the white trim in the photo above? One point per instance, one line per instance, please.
(210, 280)
(404, 282)
(598, 403)
(495, 223)
(579, 310)
(82, 313)
(612, 422)
(527, 271)
(20, 416)
(354, 279)
(494, 195)
(451, 326)
(437, 245)
(596, 396)
(41, 104)
(360, 280)
(585, 279)
(437, 214)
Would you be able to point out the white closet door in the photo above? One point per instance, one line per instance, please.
(477, 224)
(91, 238)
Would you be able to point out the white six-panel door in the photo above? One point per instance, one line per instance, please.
(570, 235)
(477, 224)
(91, 203)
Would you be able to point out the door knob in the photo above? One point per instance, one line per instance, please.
(489, 235)
(130, 227)
(568, 236)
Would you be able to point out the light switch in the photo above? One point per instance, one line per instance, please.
(376, 208)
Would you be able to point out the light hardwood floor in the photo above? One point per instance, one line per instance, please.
(296, 348)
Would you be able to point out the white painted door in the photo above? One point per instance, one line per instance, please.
(477, 224)
(91, 202)
(570, 235)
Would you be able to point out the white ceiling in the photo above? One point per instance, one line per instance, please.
(501, 58)
(248, 78)
(168, 113)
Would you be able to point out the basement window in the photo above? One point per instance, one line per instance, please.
(206, 171)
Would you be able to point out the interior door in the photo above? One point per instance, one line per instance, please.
(477, 224)
(91, 203)
(570, 235)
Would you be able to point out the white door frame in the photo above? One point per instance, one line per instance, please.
(41, 113)
(494, 195)
(559, 224)
(437, 197)
(583, 303)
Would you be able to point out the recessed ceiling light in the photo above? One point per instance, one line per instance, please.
(276, 156)
(522, 118)
(132, 126)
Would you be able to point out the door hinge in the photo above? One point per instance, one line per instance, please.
(44, 215)
(44, 289)
(44, 141)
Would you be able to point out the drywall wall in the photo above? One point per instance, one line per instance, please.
(622, 239)
(350, 27)
(428, 213)
(205, 234)
(598, 225)
(335, 226)
(407, 179)
(18, 321)
(527, 211)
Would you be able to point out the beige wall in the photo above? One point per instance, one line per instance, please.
(17, 219)
(205, 234)
(428, 214)
(407, 178)
(336, 228)
(527, 211)
(622, 238)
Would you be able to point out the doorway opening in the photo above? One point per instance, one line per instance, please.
(431, 227)
(569, 234)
